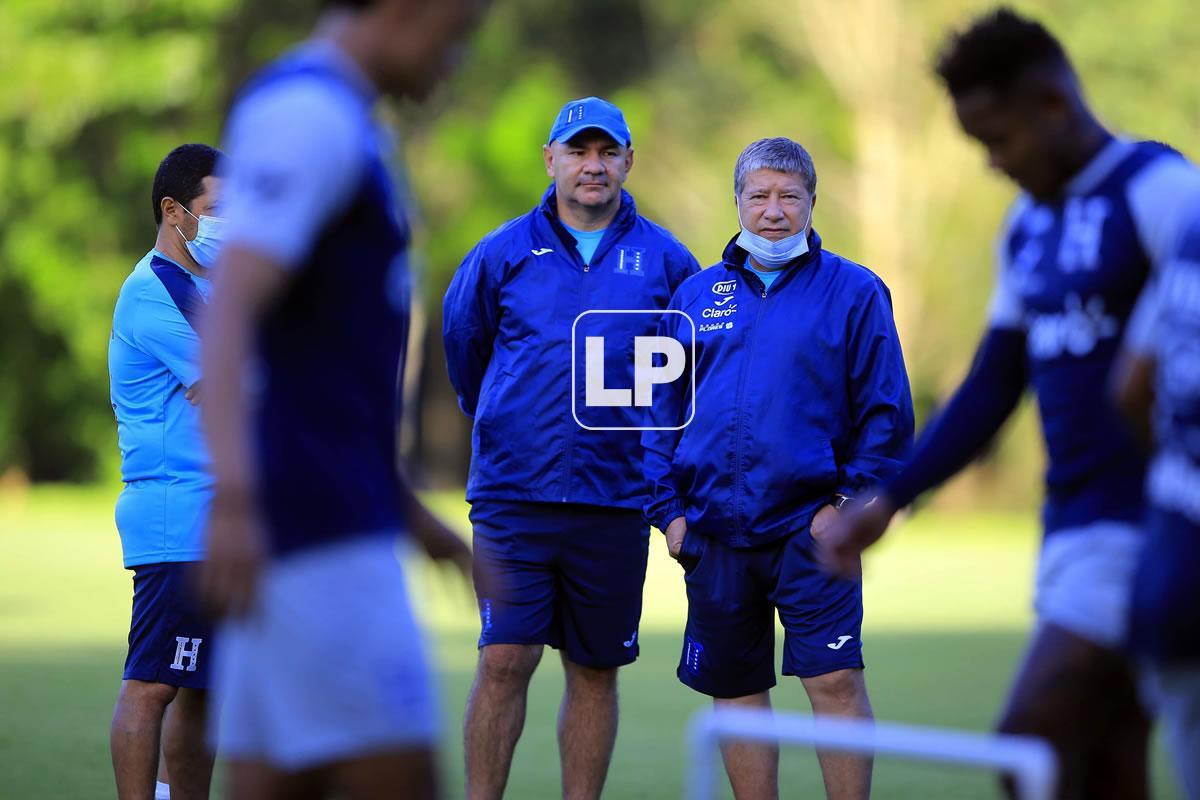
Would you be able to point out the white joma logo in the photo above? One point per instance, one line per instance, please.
(631, 641)
(541, 251)
(723, 300)
(838, 644)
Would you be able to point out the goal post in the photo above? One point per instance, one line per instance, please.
(1030, 761)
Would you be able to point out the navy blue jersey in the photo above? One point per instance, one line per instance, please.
(308, 185)
(801, 394)
(520, 299)
(1070, 274)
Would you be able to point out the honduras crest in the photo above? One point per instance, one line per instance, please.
(631, 260)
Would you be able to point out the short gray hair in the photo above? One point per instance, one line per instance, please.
(780, 154)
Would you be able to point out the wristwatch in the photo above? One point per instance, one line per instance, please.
(840, 500)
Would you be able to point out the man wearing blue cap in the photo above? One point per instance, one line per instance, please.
(555, 502)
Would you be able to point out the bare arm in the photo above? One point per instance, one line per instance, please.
(247, 284)
(439, 542)
(974, 414)
(1131, 385)
(1133, 393)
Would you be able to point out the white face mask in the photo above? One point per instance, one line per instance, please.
(775, 254)
(210, 232)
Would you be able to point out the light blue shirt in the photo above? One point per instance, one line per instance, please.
(153, 358)
(768, 276)
(586, 242)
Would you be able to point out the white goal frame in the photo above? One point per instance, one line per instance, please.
(1030, 761)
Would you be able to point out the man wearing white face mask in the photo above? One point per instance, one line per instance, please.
(802, 401)
(161, 514)
(205, 242)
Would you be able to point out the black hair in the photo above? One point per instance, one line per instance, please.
(181, 175)
(347, 3)
(996, 51)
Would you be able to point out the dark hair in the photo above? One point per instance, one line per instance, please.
(181, 175)
(996, 51)
(347, 3)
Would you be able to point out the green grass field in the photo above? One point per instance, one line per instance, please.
(946, 613)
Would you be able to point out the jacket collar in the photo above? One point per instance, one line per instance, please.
(622, 222)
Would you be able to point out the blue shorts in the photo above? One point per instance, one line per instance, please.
(1165, 610)
(733, 593)
(170, 640)
(571, 577)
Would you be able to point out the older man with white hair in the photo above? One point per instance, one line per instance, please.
(802, 401)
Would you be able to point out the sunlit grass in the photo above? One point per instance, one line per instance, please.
(947, 605)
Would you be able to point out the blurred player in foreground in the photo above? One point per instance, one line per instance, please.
(154, 371)
(1096, 215)
(323, 677)
(1160, 371)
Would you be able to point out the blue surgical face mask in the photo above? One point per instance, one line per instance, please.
(772, 254)
(210, 233)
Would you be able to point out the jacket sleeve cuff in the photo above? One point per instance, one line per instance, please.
(664, 516)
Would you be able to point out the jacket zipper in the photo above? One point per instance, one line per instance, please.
(571, 246)
(739, 416)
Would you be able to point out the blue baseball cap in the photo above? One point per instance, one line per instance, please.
(590, 112)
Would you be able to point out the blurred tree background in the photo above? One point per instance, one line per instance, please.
(94, 94)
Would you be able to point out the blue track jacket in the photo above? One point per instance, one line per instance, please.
(801, 394)
(509, 317)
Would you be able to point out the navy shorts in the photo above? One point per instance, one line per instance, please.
(1165, 609)
(567, 575)
(733, 594)
(170, 641)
